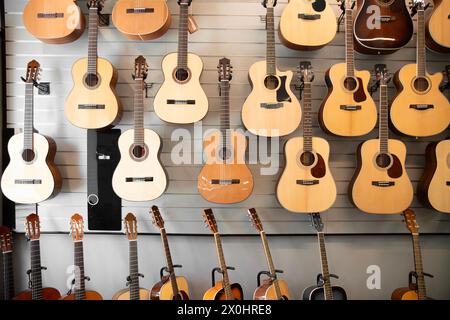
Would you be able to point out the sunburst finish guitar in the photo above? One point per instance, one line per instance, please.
(381, 184)
(92, 103)
(438, 26)
(306, 184)
(225, 178)
(139, 175)
(271, 109)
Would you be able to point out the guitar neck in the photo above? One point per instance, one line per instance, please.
(307, 121)
(225, 112)
(421, 50)
(139, 113)
(93, 40)
(173, 278)
(183, 36)
(223, 266)
(270, 264)
(28, 117)
(325, 271)
(134, 271)
(8, 276)
(80, 289)
(384, 119)
(36, 270)
(421, 289)
(270, 55)
(349, 49)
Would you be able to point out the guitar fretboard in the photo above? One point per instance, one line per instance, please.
(421, 289)
(270, 55)
(384, 119)
(307, 120)
(139, 113)
(223, 266)
(134, 271)
(183, 36)
(225, 114)
(421, 50)
(349, 50)
(36, 270)
(79, 290)
(93, 39)
(328, 293)
(28, 117)
(8, 276)
(270, 264)
(173, 278)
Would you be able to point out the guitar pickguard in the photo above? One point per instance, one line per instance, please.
(396, 170)
(360, 95)
(282, 94)
(320, 168)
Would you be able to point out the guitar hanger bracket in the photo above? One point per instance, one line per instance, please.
(147, 86)
(218, 270)
(167, 270)
(43, 87)
(103, 19)
(321, 280)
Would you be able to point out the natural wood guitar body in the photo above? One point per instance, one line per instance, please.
(47, 294)
(142, 26)
(163, 290)
(265, 121)
(218, 293)
(419, 123)
(173, 90)
(62, 29)
(148, 167)
(438, 26)
(41, 168)
(333, 119)
(309, 198)
(124, 294)
(235, 169)
(90, 295)
(306, 34)
(102, 94)
(267, 291)
(391, 199)
(405, 294)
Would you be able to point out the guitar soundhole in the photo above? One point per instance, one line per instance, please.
(28, 155)
(350, 84)
(224, 154)
(91, 80)
(307, 158)
(138, 152)
(383, 160)
(421, 84)
(182, 75)
(271, 82)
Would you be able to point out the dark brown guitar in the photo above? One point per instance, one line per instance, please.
(8, 271)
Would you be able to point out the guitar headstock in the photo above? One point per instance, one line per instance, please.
(317, 222)
(255, 220)
(157, 218)
(131, 227)
(225, 70)
(140, 68)
(411, 222)
(210, 220)
(5, 239)
(77, 227)
(382, 74)
(33, 227)
(306, 74)
(33, 72)
(96, 4)
(183, 2)
(269, 3)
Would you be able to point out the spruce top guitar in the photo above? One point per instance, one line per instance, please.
(31, 175)
(222, 290)
(181, 98)
(271, 109)
(438, 24)
(36, 292)
(416, 290)
(348, 110)
(419, 109)
(323, 290)
(92, 103)
(170, 287)
(79, 285)
(139, 176)
(225, 178)
(54, 21)
(306, 184)
(272, 288)
(381, 184)
(6, 247)
(307, 25)
(382, 26)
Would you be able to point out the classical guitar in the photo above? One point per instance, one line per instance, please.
(222, 290)
(6, 247)
(416, 290)
(181, 98)
(31, 175)
(348, 110)
(134, 292)
(434, 187)
(170, 287)
(54, 21)
(142, 19)
(381, 184)
(419, 109)
(438, 26)
(139, 175)
(323, 290)
(225, 178)
(382, 26)
(306, 184)
(272, 288)
(36, 291)
(271, 109)
(92, 103)
(307, 25)
(79, 286)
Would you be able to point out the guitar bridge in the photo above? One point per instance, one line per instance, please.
(306, 16)
(448, 183)
(141, 10)
(28, 181)
(178, 102)
(91, 106)
(421, 107)
(383, 184)
(50, 15)
(350, 107)
(139, 179)
(272, 105)
(225, 182)
(307, 182)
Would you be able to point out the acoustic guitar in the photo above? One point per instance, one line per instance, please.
(139, 176)
(36, 291)
(54, 21)
(134, 292)
(6, 247)
(92, 103)
(434, 187)
(381, 184)
(382, 26)
(415, 290)
(31, 175)
(272, 288)
(306, 184)
(323, 290)
(225, 178)
(307, 25)
(142, 19)
(438, 24)
(271, 109)
(170, 287)
(181, 98)
(419, 109)
(348, 110)
(79, 284)
(222, 290)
